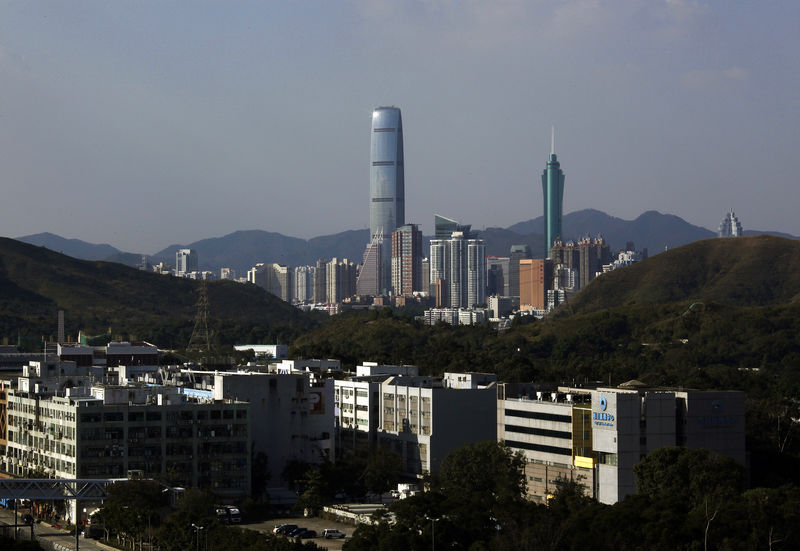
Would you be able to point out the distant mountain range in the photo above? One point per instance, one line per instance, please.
(71, 247)
(243, 249)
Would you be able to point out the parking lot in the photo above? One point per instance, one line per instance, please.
(316, 524)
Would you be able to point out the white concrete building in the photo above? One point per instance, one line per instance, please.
(293, 418)
(63, 421)
(596, 437)
(185, 262)
(423, 420)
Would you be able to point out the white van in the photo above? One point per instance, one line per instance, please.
(330, 533)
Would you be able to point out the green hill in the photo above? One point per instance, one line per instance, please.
(36, 282)
(742, 271)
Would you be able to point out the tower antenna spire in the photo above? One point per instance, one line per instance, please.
(552, 140)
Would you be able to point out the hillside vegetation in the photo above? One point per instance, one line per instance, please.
(35, 283)
(742, 271)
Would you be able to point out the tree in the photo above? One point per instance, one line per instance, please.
(133, 509)
(488, 471)
(294, 472)
(698, 485)
(383, 470)
(196, 507)
(774, 516)
(482, 484)
(691, 475)
(313, 497)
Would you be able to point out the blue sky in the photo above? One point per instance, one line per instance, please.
(142, 124)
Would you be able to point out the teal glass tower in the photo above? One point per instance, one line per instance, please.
(553, 192)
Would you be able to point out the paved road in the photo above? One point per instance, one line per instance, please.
(45, 532)
(316, 524)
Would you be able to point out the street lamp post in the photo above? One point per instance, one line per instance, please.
(433, 531)
(197, 534)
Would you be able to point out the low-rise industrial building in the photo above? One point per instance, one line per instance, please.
(423, 419)
(67, 425)
(596, 437)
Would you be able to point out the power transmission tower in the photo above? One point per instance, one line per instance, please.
(201, 340)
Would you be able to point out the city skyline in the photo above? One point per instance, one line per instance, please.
(146, 124)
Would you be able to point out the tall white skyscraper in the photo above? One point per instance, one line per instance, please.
(730, 226)
(476, 272)
(387, 184)
(304, 283)
(458, 270)
(185, 261)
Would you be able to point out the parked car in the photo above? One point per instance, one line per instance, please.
(284, 528)
(304, 534)
(294, 533)
(27, 519)
(331, 533)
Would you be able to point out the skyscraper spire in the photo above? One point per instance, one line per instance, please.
(553, 192)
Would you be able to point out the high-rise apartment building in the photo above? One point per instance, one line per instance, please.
(553, 192)
(518, 252)
(282, 282)
(320, 282)
(535, 279)
(438, 263)
(458, 271)
(565, 253)
(476, 272)
(185, 262)
(407, 260)
(730, 226)
(387, 184)
(592, 254)
(426, 275)
(340, 280)
(304, 283)
(275, 278)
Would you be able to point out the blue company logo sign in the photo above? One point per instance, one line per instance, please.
(600, 417)
(716, 420)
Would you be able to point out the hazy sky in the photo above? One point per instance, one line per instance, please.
(142, 124)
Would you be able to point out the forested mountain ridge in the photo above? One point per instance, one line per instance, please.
(35, 283)
(741, 271)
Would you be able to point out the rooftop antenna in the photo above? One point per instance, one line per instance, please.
(552, 140)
